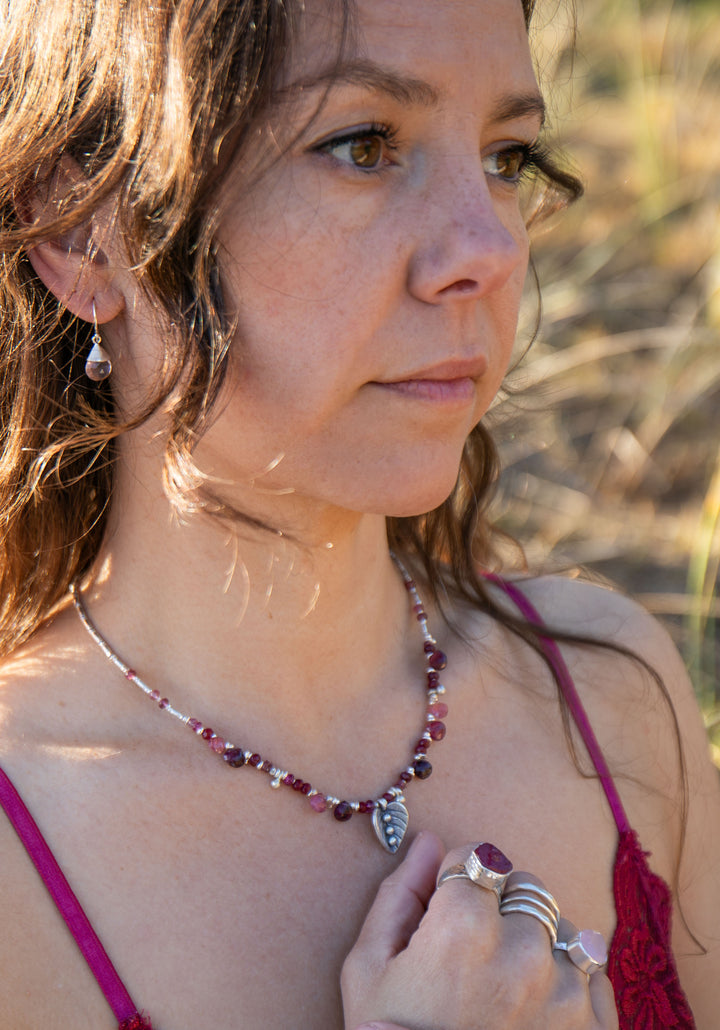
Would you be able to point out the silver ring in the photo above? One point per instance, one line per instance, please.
(488, 867)
(453, 872)
(536, 910)
(587, 950)
(540, 893)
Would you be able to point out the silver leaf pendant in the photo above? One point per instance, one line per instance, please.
(390, 822)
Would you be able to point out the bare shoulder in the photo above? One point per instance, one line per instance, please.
(650, 729)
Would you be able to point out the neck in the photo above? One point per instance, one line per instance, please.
(231, 620)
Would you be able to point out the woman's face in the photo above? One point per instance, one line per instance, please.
(376, 268)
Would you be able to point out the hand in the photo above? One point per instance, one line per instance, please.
(446, 959)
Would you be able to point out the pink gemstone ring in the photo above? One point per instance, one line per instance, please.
(586, 950)
(488, 867)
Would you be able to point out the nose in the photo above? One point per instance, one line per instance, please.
(464, 249)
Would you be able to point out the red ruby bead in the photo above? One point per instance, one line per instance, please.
(436, 730)
(388, 796)
(493, 859)
(131, 674)
(428, 647)
(306, 788)
(207, 734)
(343, 811)
(154, 695)
(163, 703)
(298, 784)
(417, 607)
(195, 725)
(422, 768)
(289, 779)
(438, 660)
(439, 709)
(433, 680)
(254, 759)
(234, 757)
(422, 745)
(404, 778)
(266, 766)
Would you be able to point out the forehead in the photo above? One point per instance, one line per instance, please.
(437, 41)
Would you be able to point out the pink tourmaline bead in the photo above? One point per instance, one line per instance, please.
(155, 695)
(163, 703)
(131, 674)
(437, 659)
(436, 730)
(318, 803)
(439, 709)
(218, 746)
(195, 725)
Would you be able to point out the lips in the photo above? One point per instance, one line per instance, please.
(448, 381)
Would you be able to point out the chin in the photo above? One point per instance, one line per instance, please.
(421, 497)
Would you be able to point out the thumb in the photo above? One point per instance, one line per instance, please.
(401, 901)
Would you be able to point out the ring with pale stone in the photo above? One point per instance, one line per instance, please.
(587, 950)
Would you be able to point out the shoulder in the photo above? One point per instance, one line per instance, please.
(618, 626)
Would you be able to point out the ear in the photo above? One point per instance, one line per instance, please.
(73, 264)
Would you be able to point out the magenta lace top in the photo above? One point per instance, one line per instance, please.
(641, 966)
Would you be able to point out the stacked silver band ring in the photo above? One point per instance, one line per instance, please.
(532, 900)
(586, 950)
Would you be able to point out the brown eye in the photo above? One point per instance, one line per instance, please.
(366, 151)
(510, 164)
(368, 148)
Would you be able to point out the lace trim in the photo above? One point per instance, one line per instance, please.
(641, 966)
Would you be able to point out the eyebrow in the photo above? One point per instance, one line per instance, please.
(371, 76)
(413, 92)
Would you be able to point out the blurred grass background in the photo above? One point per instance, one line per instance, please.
(609, 431)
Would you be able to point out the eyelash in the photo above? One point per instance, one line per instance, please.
(532, 155)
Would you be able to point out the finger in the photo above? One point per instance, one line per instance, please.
(402, 899)
(602, 998)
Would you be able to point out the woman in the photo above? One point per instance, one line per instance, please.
(287, 242)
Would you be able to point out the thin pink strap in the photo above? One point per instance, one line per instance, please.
(68, 905)
(565, 680)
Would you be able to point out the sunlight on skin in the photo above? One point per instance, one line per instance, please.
(80, 754)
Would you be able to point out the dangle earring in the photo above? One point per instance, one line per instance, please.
(98, 365)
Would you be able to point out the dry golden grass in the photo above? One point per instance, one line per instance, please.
(612, 445)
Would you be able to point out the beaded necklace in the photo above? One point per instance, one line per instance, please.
(388, 811)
